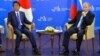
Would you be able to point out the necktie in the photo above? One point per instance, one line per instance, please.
(80, 22)
(19, 20)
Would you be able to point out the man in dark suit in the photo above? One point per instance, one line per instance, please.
(82, 19)
(17, 20)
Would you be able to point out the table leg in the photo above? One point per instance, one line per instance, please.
(59, 40)
(52, 42)
(39, 40)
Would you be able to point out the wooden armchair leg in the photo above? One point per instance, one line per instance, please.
(13, 43)
(6, 43)
(93, 44)
(86, 42)
(86, 47)
(24, 41)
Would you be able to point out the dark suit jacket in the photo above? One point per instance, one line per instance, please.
(12, 19)
(87, 20)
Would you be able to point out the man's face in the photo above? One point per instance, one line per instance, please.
(16, 7)
(86, 7)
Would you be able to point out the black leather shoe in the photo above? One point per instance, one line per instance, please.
(36, 52)
(75, 52)
(1, 50)
(17, 52)
(64, 52)
(99, 51)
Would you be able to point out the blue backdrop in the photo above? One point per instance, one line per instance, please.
(50, 12)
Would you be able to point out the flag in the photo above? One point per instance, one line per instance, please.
(73, 9)
(26, 8)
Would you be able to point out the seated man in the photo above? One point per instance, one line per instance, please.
(83, 18)
(17, 21)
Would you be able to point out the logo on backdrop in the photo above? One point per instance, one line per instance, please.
(45, 19)
(59, 9)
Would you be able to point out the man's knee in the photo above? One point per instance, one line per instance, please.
(19, 34)
(80, 36)
(30, 33)
(80, 33)
(69, 32)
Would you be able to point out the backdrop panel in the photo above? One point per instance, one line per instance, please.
(51, 12)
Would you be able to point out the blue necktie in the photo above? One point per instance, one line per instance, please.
(19, 20)
(80, 22)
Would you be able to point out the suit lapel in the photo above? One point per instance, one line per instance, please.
(87, 13)
(14, 17)
(80, 14)
(14, 14)
(20, 16)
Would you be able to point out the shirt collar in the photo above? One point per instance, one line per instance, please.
(17, 12)
(87, 12)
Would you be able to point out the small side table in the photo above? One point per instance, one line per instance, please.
(52, 34)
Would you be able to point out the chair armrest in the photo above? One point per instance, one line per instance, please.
(9, 32)
(30, 26)
(89, 31)
(67, 26)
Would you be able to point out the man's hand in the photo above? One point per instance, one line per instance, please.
(10, 27)
(33, 25)
(84, 13)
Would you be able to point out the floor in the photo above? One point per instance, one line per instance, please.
(46, 47)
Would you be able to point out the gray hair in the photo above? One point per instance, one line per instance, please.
(86, 3)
